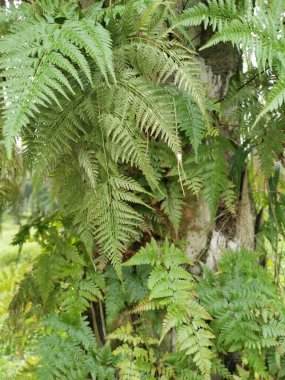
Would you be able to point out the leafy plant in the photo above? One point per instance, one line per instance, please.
(111, 132)
(248, 314)
(171, 288)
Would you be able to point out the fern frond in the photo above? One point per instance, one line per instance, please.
(244, 307)
(217, 14)
(215, 177)
(190, 120)
(275, 99)
(171, 287)
(173, 203)
(88, 162)
(196, 343)
(63, 349)
(90, 91)
(36, 62)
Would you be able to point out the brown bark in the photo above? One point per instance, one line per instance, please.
(207, 239)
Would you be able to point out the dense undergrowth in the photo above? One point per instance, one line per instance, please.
(72, 319)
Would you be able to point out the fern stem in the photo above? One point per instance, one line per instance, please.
(95, 326)
(275, 222)
(102, 320)
(245, 84)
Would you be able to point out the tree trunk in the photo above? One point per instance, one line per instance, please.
(207, 238)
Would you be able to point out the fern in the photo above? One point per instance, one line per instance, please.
(113, 118)
(190, 121)
(37, 54)
(134, 361)
(269, 145)
(215, 177)
(63, 350)
(209, 175)
(275, 98)
(89, 92)
(256, 28)
(111, 218)
(171, 287)
(217, 14)
(117, 298)
(172, 204)
(63, 275)
(246, 309)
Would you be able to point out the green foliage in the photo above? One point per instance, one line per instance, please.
(136, 357)
(237, 310)
(46, 313)
(248, 314)
(172, 204)
(60, 277)
(118, 298)
(217, 14)
(38, 52)
(209, 175)
(65, 350)
(190, 120)
(171, 287)
(89, 91)
(255, 27)
(104, 114)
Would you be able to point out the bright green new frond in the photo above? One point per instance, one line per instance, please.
(126, 334)
(136, 357)
(153, 254)
(196, 343)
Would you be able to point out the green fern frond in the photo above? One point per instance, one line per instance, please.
(269, 144)
(196, 343)
(170, 255)
(217, 14)
(63, 349)
(173, 203)
(215, 176)
(190, 120)
(37, 79)
(108, 215)
(171, 287)
(275, 99)
(244, 308)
